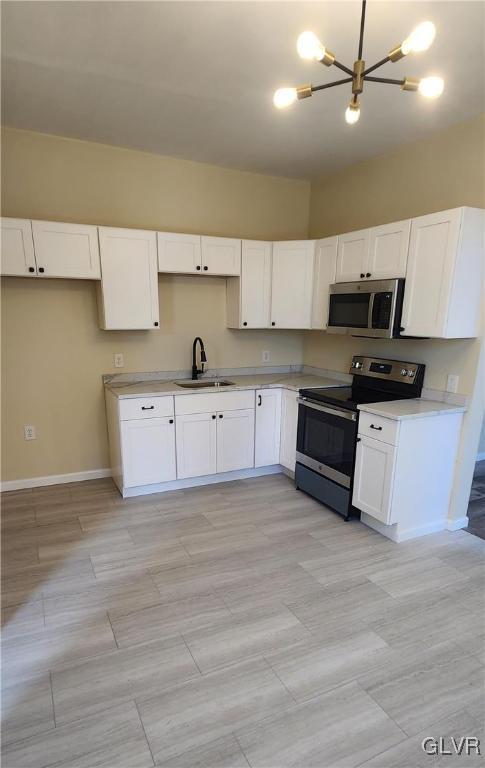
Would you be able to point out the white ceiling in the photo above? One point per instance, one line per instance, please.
(195, 79)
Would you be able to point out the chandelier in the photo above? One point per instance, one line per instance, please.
(309, 47)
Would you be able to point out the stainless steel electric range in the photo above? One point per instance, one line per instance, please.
(328, 424)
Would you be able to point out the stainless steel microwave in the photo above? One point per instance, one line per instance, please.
(371, 308)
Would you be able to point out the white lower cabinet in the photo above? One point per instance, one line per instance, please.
(289, 425)
(373, 477)
(148, 451)
(196, 444)
(235, 440)
(268, 425)
(404, 471)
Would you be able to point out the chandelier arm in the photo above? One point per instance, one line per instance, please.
(384, 80)
(375, 66)
(362, 23)
(331, 85)
(343, 67)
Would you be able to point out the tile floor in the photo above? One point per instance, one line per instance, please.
(232, 625)
(476, 506)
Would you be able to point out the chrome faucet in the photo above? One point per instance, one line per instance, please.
(203, 358)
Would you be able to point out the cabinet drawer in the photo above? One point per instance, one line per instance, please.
(378, 427)
(145, 408)
(213, 401)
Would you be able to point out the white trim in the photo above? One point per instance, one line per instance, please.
(193, 482)
(455, 525)
(397, 534)
(480, 456)
(36, 482)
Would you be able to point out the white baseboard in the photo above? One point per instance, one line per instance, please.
(37, 482)
(397, 534)
(193, 482)
(455, 525)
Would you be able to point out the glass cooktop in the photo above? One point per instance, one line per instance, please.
(348, 397)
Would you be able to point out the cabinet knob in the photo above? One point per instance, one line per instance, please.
(273, 323)
(198, 267)
(260, 400)
(41, 269)
(244, 323)
(155, 324)
(362, 274)
(170, 421)
(205, 269)
(31, 269)
(358, 440)
(368, 274)
(213, 415)
(402, 328)
(221, 415)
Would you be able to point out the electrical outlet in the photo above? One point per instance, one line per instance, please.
(118, 360)
(265, 356)
(452, 382)
(29, 432)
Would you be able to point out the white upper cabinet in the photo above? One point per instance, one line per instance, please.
(388, 251)
(292, 284)
(17, 257)
(129, 285)
(249, 298)
(66, 250)
(221, 256)
(324, 276)
(443, 278)
(179, 253)
(268, 423)
(378, 253)
(352, 256)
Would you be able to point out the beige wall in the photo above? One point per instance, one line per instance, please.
(53, 353)
(443, 171)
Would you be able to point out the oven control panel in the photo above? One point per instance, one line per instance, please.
(393, 370)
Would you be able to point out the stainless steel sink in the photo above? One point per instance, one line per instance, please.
(204, 383)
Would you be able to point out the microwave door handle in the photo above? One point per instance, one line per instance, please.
(371, 310)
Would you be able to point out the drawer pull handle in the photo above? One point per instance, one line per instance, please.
(147, 407)
(260, 400)
(379, 429)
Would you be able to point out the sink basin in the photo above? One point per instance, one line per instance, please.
(203, 384)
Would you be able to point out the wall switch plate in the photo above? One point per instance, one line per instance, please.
(29, 432)
(452, 382)
(118, 360)
(265, 356)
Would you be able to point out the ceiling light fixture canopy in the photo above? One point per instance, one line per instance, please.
(310, 48)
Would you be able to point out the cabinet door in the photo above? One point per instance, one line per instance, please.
(179, 253)
(268, 424)
(432, 251)
(129, 283)
(66, 250)
(325, 268)
(352, 256)
(148, 451)
(17, 256)
(255, 284)
(221, 256)
(373, 478)
(196, 444)
(388, 250)
(235, 440)
(292, 284)
(289, 423)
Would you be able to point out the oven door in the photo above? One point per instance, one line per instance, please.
(326, 440)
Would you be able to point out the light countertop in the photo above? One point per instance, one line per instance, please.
(293, 381)
(414, 408)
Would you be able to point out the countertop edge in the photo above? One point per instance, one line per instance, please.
(430, 408)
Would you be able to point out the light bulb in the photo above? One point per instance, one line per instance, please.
(284, 97)
(420, 38)
(352, 114)
(309, 47)
(432, 87)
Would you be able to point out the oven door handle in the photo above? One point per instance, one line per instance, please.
(326, 409)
